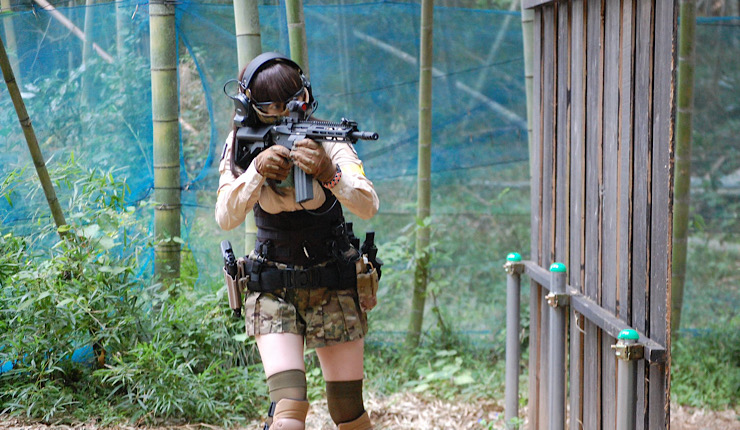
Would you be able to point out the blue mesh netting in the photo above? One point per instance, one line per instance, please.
(363, 66)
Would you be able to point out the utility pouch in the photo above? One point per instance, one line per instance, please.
(367, 283)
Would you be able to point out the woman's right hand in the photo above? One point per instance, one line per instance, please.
(274, 162)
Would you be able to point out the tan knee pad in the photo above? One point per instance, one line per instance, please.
(287, 414)
(362, 423)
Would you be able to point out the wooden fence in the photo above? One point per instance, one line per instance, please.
(602, 181)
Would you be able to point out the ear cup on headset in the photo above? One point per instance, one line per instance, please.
(242, 111)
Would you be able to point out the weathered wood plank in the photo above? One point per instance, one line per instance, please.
(641, 183)
(562, 151)
(549, 83)
(577, 202)
(577, 145)
(624, 193)
(609, 255)
(535, 293)
(662, 215)
(592, 376)
(576, 370)
(562, 130)
(592, 278)
(593, 118)
(612, 325)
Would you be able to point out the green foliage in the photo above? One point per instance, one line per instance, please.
(87, 337)
(705, 368)
(444, 366)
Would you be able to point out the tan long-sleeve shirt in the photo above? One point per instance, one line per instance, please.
(237, 195)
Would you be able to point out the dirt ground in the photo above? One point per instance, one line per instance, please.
(408, 411)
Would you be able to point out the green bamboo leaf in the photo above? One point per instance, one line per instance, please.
(64, 303)
(240, 337)
(464, 379)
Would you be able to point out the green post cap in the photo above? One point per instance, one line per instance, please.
(558, 267)
(628, 334)
(514, 257)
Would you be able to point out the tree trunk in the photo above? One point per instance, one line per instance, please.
(421, 272)
(165, 115)
(248, 46)
(31, 141)
(297, 34)
(682, 185)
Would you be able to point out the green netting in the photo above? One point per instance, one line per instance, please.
(363, 66)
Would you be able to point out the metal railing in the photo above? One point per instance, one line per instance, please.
(629, 349)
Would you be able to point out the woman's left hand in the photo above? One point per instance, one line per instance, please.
(313, 159)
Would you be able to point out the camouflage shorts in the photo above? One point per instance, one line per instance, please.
(324, 317)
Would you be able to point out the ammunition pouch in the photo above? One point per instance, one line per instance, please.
(367, 283)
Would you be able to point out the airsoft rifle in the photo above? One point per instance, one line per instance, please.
(251, 140)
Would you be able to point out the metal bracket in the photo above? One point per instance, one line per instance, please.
(629, 352)
(514, 268)
(557, 300)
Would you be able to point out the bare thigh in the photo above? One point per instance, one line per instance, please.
(280, 352)
(342, 362)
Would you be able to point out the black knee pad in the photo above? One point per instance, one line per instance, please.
(344, 399)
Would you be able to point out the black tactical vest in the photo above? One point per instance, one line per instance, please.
(301, 238)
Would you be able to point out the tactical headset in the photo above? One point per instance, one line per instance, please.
(245, 115)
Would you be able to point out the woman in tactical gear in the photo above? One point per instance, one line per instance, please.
(302, 275)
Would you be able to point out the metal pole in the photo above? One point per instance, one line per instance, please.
(513, 268)
(628, 352)
(557, 300)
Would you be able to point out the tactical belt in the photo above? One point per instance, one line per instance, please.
(267, 278)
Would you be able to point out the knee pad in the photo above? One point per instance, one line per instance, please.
(344, 399)
(289, 384)
(287, 414)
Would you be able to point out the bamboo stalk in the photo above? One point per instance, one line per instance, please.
(166, 129)
(31, 141)
(682, 179)
(248, 46)
(297, 34)
(421, 271)
(248, 37)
